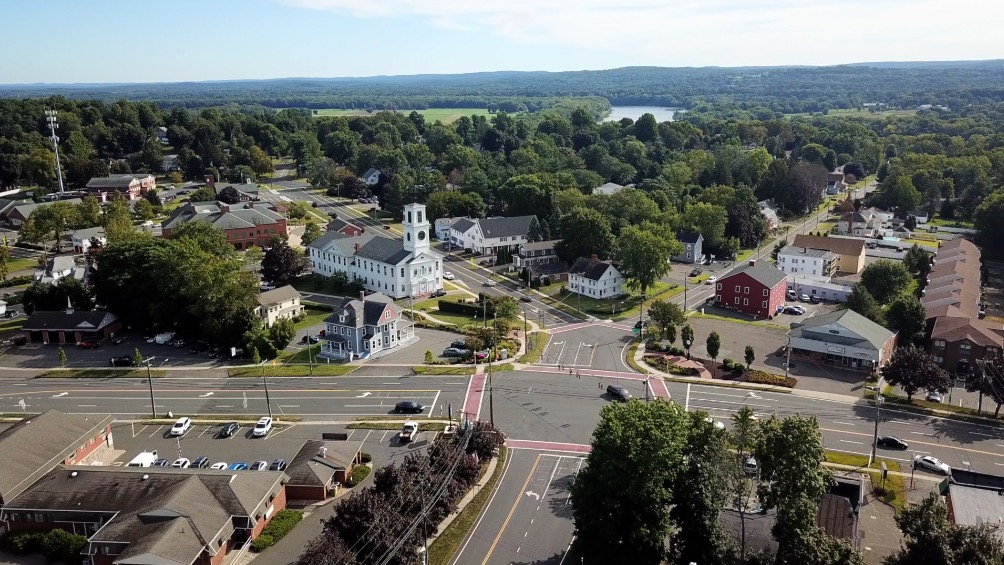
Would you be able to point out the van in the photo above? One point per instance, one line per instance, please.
(792, 295)
(144, 459)
(618, 393)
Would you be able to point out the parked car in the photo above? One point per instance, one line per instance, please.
(88, 344)
(459, 343)
(814, 299)
(718, 424)
(804, 297)
(267, 286)
(221, 466)
(448, 275)
(179, 343)
(438, 293)
(198, 347)
(262, 428)
(618, 393)
(711, 280)
(122, 361)
(239, 466)
(794, 311)
(932, 464)
(892, 442)
(750, 465)
(934, 396)
(162, 338)
(696, 272)
(181, 427)
(278, 465)
(200, 462)
(11, 314)
(455, 352)
(792, 295)
(487, 262)
(364, 201)
(641, 324)
(408, 407)
(181, 463)
(310, 339)
(229, 429)
(259, 466)
(161, 463)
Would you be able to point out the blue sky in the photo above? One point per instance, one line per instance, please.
(146, 41)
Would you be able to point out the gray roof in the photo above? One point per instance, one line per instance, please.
(38, 443)
(27, 208)
(88, 233)
(369, 172)
(608, 189)
(309, 468)
(115, 181)
(373, 309)
(463, 224)
(846, 327)
(589, 268)
(278, 295)
(764, 273)
(89, 321)
(688, 236)
(236, 216)
(505, 227)
(383, 250)
(346, 244)
(540, 245)
(808, 252)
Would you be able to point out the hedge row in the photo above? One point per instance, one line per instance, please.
(17, 281)
(55, 545)
(763, 378)
(283, 522)
(359, 474)
(462, 308)
(662, 364)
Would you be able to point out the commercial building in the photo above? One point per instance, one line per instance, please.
(851, 251)
(757, 290)
(843, 338)
(129, 186)
(245, 224)
(819, 288)
(319, 466)
(595, 279)
(69, 326)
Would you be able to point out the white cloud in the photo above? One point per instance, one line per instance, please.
(716, 32)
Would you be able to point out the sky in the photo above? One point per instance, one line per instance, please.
(88, 41)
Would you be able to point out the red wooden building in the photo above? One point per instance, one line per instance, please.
(756, 289)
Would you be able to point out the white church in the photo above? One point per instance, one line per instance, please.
(394, 267)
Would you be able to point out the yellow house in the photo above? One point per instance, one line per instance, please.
(283, 302)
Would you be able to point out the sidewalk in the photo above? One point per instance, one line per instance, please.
(465, 500)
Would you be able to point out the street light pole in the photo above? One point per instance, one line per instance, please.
(879, 399)
(264, 380)
(149, 380)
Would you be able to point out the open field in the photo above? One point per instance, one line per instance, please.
(856, 113)
(445, 115)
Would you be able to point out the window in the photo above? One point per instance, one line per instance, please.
(737, 300)
(746, 301)
(718, 297)
(719, 286)
(763, 304)
(766, 292)
(746, 290)
(939, 359)
(965, 346)
(737, 289)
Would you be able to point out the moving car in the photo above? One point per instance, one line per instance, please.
(711, 280)
(448, 275)
(239, 466)
(221, 466)
(932, 464)
(262, 428)
(200, 462)
(408, 432)
(181, 427)
(181, 463)
(88, 344)
(408, 407)
(259, 466)
(229, 429)
(278, 465)
(121, 361)
(525, 298)
(934, 396)
(696, 272)
(618, 393)
(891, 442)
(490, 282)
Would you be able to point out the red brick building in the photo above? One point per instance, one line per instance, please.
(757, 290)
(318, 465)
(130, 186)
(245, 224)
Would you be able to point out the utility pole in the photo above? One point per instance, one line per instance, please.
(149, 380)
(491, 386)
(879, 399)
(641, 318)
(50, 116)
(787, 359)
(268, 401)
(686, 281)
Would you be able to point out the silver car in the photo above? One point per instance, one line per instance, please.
(932, 464)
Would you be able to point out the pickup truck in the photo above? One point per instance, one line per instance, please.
(408, 432)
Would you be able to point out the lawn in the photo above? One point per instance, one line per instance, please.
(12, 325)
(619, 309)
(894, 493)
(932, 245)
(302, 355)
(324, 370)
(21, 264)
(441, 370)
(316, 313)
(445, 115)
(941, 222)
(539, 340)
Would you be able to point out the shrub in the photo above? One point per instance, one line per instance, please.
(283, 522)
(55, 545)
(662, 364)
(359, 474)
(16, 281)
(366, 458)
(428, 357)
(761, 377)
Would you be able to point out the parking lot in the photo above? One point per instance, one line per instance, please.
(37, 355)
(428, 340)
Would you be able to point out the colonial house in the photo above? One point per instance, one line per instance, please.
(393, 267)
(169, 163)
(816, 263)
(541, 260)
(282, 302)
(595, 279)
(693, 247)
(58, 267)
(851, 251)
(444, 225)
(362, 327)
(130, 186)
(245, 225)
(82, 239)
(371, 177)
(339, 225)
(757, 290)
(488, 236)
(843, 338)
(769, 215)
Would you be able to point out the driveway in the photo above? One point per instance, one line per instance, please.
(428, 340)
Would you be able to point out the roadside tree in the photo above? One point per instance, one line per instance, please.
(666, 315)
(280, 263)
(749, 356)
(281, 333)
(913, 370)
(713, 345)
(885, 279)
(310, 233)
(687, 335)
(907, 316)
(584, 232)
(645, 257)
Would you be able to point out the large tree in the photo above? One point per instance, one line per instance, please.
(584, 232)
(665, 315)
(281, 263)
(907, 316)
(862, 302)
(932, 538)
(645, 256)
(622, 495)
(885, 279)
(50, 221)
(918, 261)
(914, 369)
(989, 223)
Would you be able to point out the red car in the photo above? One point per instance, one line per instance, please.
(88, 344)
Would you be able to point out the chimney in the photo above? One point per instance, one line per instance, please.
(224, 207)
(593, 258)
(362, 296)
(323, 451)
(752, 262)
(357, 248)
(211, 182)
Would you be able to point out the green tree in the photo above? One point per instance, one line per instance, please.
(137, 358)
(296, 210)
(310, 233)
(206, 237)
(261, 164)
(988, 219)
(202, 194)
(687, 335)
(666, 317)
(749, 357)
(645, 256)
(281, 333)
(917, 261)
(745, 435)
(429, 359)
(914, 369)
(709, 220)
(584, 232)
(932, 538)
(621, 497)
(885, 279)
(4, 262)
(144, 210)
(257, 339)
(504, 307)
(117, 221)
(862, 302)
(62, 357)
(713, 345)
(280, 263)
(89, 212)
(50, 221)
(907, 316)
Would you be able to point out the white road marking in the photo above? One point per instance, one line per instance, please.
(922, 434)
(982, 434)
(686, 405)
(842, 422)
(850, 441)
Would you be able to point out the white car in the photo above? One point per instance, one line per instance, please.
(934, 396)
(262, 428)
(181, 463)
(750, 465)
(711, 280)
(181, 427)
(448, 275)
(718, 424)
(932, 464)
(804, 298)
(221, 466)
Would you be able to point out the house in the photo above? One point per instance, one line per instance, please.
(835, 183)
(851, 251)
(769, 215)
(83, 239)
(38, 443)
(371, 177)
(130, 186)
(757, 289)
(362, 327)
(339, 225)
(58, 267)
(857, 224)
(608, 189)
(170, 163)
(151, 515)
(282, 302)
(247, 191)
(974, 499)
(69, 326)
(533, 253)
(488, 236)
(843, 338)
(245, 225)
(595, 279)
(922, 216)
(693, 247)
(161, 134)
(319, 466)
(18, 213)
(444, 225)
(817, 263)
(389, 266)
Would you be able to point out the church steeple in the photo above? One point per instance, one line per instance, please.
(416, 228)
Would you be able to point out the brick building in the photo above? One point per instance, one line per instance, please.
(757, 290)
(318, 466)
(130, 186)
(245, 224)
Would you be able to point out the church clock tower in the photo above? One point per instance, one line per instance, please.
(416, 229)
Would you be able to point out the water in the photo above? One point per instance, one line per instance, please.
(661, 113)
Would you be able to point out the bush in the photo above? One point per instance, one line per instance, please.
(366, 458)
(16, 281)
(55, 545)
(359, 474)
(283, 522)
(662, 364)
(760, 377)
(462, 308)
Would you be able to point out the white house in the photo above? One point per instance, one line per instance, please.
(371, 177)
(59, 267)
(362, 327)
(283, 302)
(161, 134)
(444, 225)
(769, 215)
(608, 189)
(803, 261)
(490, 235)
(391, 266)
(82, 238)
(594, 278)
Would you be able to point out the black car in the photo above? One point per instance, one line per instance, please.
(459, 343)
(310, 339)
(892, 442)
(278, 465)
(526, 298)
(201, 462)
(618, 393)
(814, 299)
(641, 324)
(438, 293)
(695, 272)
(408, 407)
(161, 463)
(123, 361)
(229, 429)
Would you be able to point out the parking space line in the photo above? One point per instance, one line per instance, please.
(433, 406)
(275, 433)
(155, 431)
(205, 430)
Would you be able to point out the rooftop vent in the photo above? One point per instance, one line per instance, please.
(145, 477)
(73, 474)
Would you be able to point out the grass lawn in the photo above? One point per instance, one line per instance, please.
(617, 308)
(21, 264)
(441, 370)
(738, 320)
(894, 493)
(302, 356)
(324, 370)
(316, 313)
(539, 340)
(451, 318)
(630, 358)
(12, 325)
(941, 222)
(312, 283)
(445, 115)
(826, 227)
(931, 245)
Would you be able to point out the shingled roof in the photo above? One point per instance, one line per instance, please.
(590, 268)
(838, 245)
(309, 468)
(89, 321)
(764, 273)
(384, 250)
(115, 181)
(373, 308)
(505, 227)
